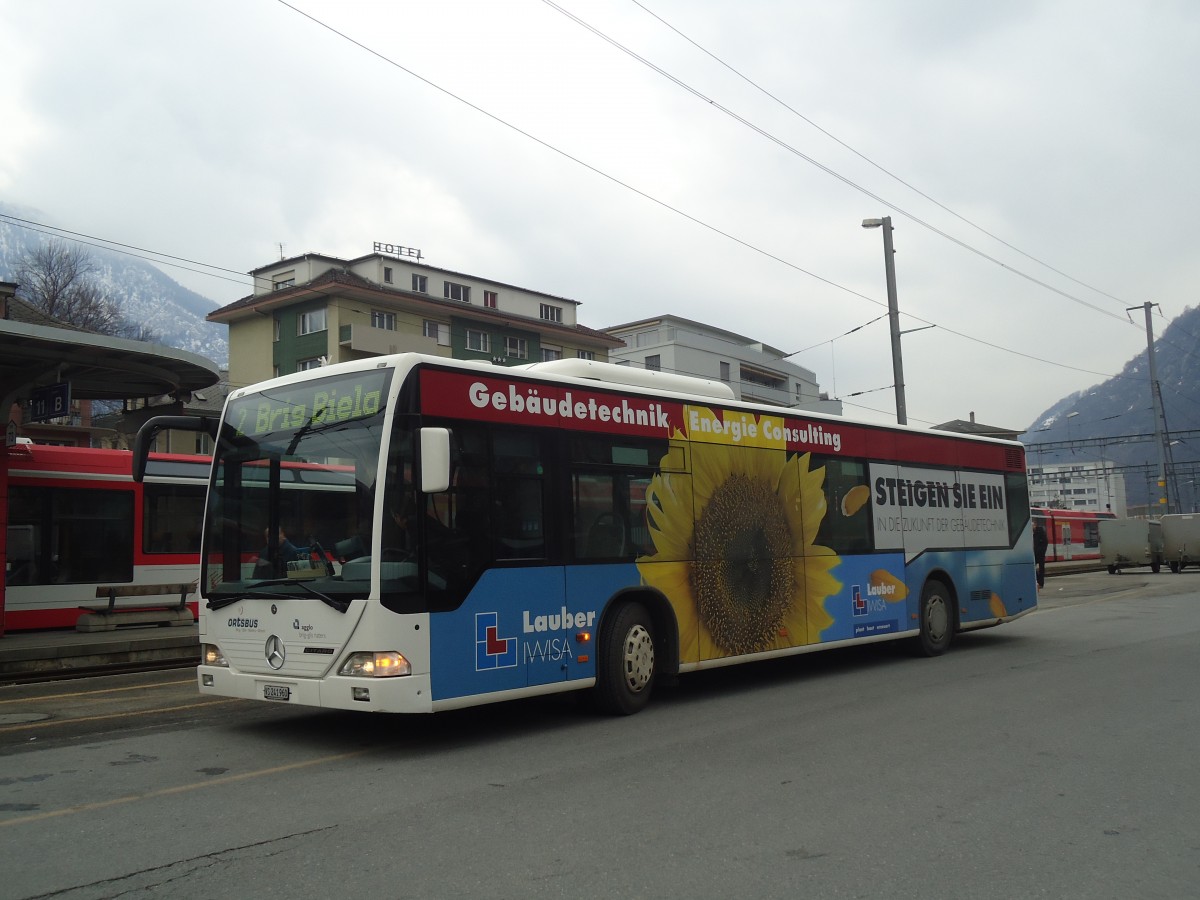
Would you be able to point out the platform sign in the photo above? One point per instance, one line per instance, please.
(50, 402)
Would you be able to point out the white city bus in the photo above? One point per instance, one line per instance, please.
(476, 533)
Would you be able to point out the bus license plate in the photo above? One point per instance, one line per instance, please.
(277, 692)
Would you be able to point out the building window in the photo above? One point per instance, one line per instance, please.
(725, 372)
(646, 338)
(311, 321)
(585, 354)
(489, 299)
(437, 331)
(459, 292)
(478, 341)
(305, 364)
(387, 274)
(283, 280)
(763, 378)
(654, 363)
(275, 329)
(381, 319)
(420, 283)
(551, 353)
(550, 313)
(516, 347)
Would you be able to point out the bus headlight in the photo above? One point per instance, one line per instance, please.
(211, 655)
(380, 664)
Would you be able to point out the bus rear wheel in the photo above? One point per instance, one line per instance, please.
(625, 665)
(937, 619)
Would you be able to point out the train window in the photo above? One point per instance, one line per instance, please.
(73, 536)
(171, 517)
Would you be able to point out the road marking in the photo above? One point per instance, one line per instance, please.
(132, 687)
(180, 789)
(66, 720)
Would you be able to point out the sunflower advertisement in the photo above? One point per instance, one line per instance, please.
(736, 552)
(748, 513)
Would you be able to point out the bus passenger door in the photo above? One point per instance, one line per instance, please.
(544, 646)
(524, 543)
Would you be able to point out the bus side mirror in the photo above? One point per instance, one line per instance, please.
(150, 429)
(435, 460)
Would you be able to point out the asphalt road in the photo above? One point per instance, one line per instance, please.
(1055, 757)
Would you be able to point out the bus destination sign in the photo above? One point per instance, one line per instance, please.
(323, 402)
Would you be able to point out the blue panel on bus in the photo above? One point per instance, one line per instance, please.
(507, 635)
(872, 600)
(522, 628)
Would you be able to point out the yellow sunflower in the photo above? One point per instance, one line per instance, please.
(735, 552)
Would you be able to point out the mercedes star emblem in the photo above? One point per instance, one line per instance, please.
(276, 653)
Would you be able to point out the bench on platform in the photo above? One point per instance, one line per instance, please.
(110, 616)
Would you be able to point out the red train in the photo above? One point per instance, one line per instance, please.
(77, 520)
(1073, 534)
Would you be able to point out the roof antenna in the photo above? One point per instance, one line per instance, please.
(281, 251)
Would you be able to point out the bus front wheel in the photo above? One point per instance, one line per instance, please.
(937, 619)
(625, 665)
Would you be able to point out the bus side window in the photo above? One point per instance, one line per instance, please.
(609, 481)
(601, 531)
(519, 496)
(846, 527)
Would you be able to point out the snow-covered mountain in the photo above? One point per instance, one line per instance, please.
(146, 295)
(1119, 413)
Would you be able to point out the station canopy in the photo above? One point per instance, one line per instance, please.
(97, 366)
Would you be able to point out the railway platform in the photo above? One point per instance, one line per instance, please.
(66, 653)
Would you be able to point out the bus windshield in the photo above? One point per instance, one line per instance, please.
(294, 477)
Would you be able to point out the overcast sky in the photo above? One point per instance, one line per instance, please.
(722, 177)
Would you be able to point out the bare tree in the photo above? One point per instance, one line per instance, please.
(60, 280)
(137, 332)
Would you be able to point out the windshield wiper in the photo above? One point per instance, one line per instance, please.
(340, 605)
(222, 602)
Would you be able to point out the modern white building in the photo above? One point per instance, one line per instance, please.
(755, 371)
(1083, 485)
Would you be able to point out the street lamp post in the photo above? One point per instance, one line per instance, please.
(889, 266)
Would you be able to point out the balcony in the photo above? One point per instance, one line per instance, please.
(362, 338)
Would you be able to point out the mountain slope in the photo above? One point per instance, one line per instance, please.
(145, 294)
(1120, 410)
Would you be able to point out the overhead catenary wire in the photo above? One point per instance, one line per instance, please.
(100, 243)
(870, 161)
(839, 337)
(912, 217)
